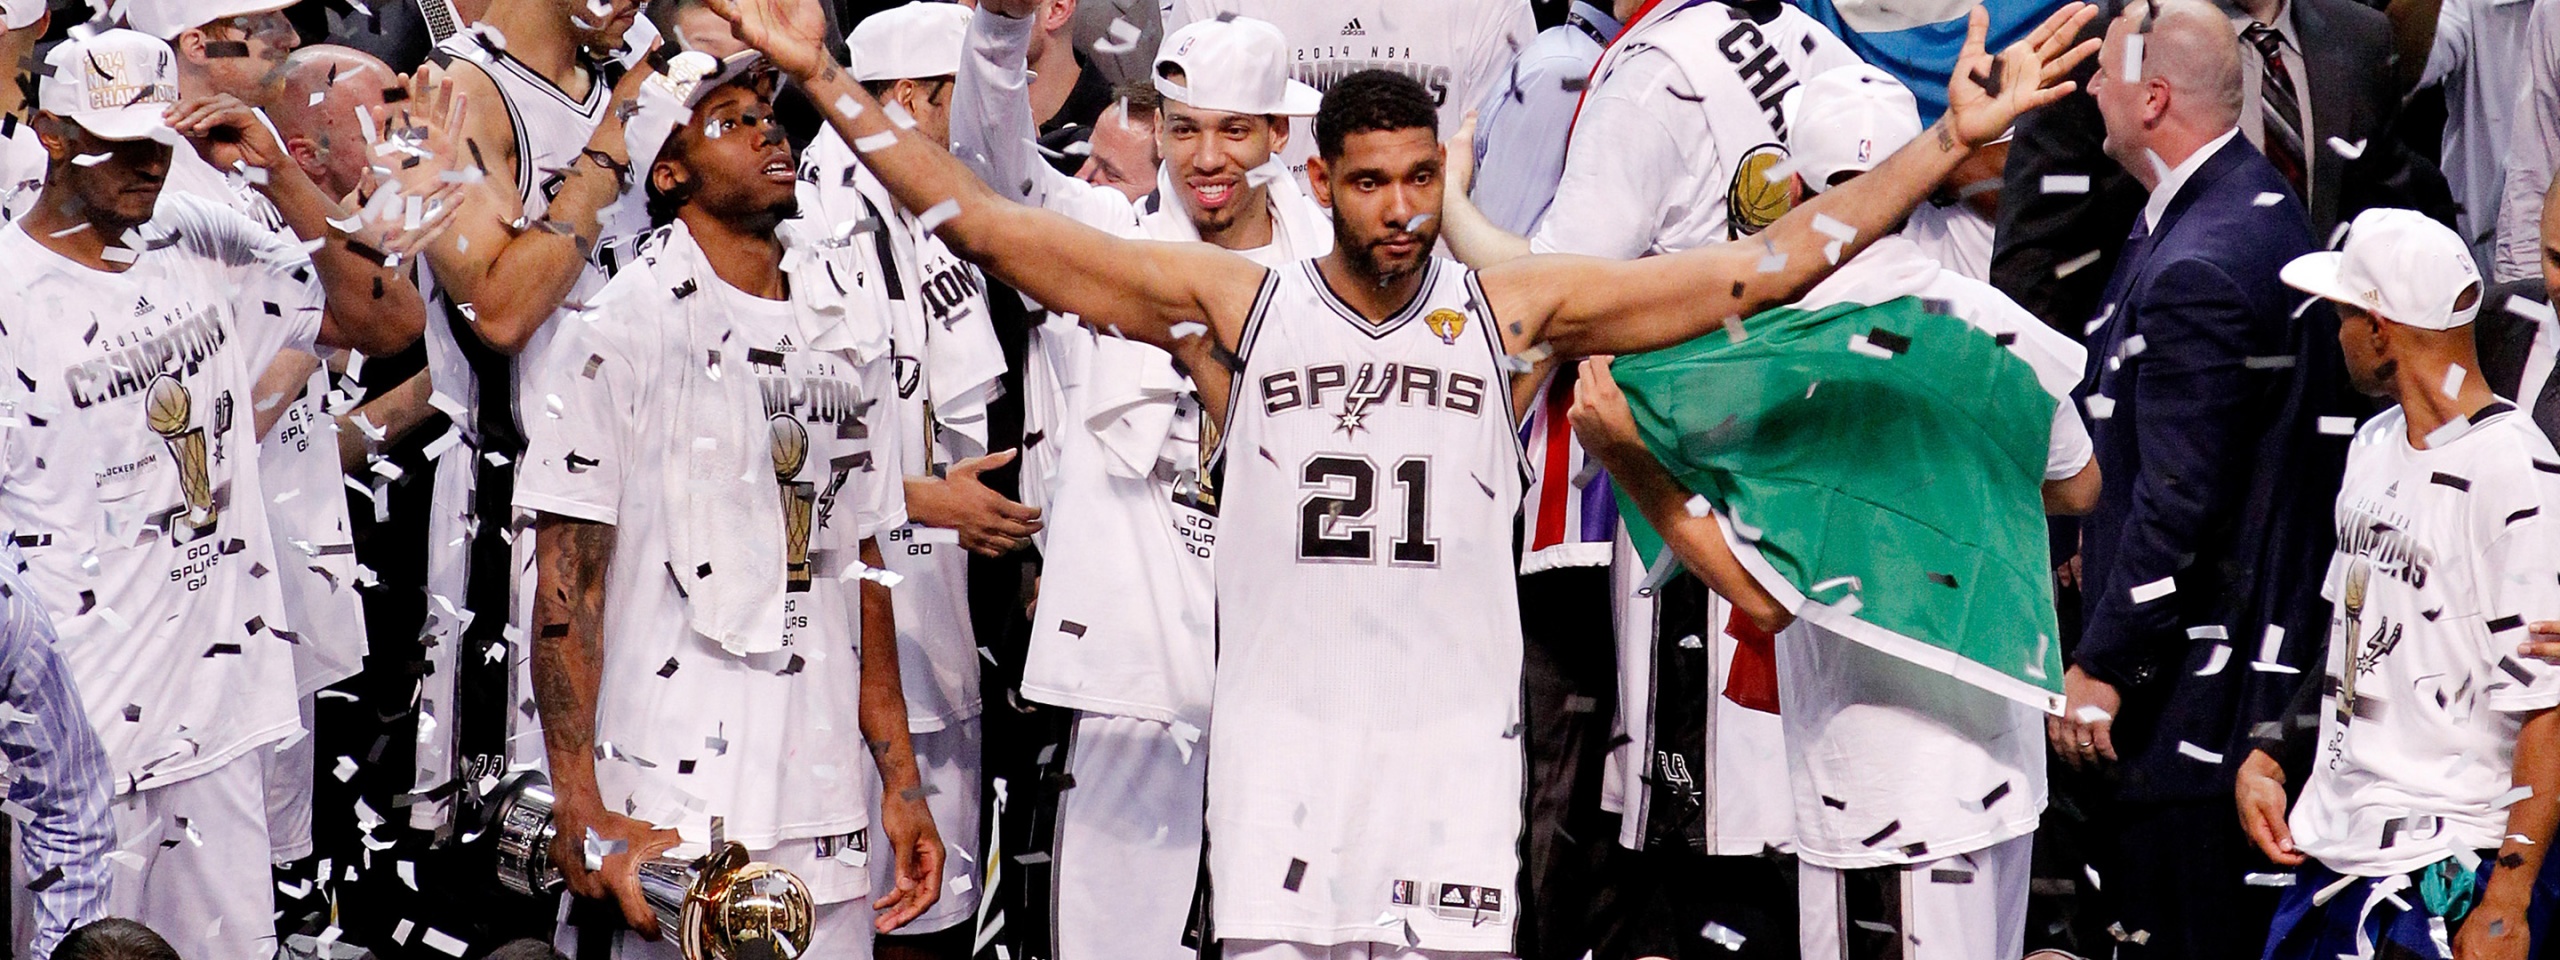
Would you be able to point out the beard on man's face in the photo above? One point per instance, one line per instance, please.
(1364, 257)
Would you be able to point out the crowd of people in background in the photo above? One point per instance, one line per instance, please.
(1281, 480)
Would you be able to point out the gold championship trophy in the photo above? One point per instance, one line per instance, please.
(790, 453)
(169, 408)
(2359, 575)
(720, 907)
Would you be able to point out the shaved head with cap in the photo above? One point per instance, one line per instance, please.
(316, 95)
(2168, 82)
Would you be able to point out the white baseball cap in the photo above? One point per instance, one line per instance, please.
(1846, 119)
(167, 19)
(912, 42)
(2397, 265)
(116, 84)
(21, 14)
(1236, 65)
(667, 100)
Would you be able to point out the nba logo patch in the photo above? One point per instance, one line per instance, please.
(1400, 893)
(1447, 323)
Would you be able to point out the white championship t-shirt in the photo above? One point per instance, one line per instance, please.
(129, 478)
(768, 742)
(1891, 762)
(2444, 554)
(1457, 49)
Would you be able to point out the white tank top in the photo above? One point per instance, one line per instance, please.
(1364, 759)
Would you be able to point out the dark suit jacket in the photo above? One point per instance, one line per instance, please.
(2348, 49)
(2218, 478)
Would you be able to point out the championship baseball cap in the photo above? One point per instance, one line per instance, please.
(1236, 65)
(20, 14)
(116, 84)
(167, 19)
(667, 100)
(1864, 116)
(912, 42)
(2397, 265)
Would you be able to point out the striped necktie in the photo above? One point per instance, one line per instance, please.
(2280, 105)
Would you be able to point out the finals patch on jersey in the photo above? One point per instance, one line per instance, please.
(1754, 201)
(1447, 323)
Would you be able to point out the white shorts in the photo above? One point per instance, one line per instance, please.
(211, 888)
(948, 760)
(842, 931)
(1128, 842)
(1291, 950)
(289, 773)
(1963, 907)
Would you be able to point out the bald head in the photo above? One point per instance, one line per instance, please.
(314, 104)
(2178, 92)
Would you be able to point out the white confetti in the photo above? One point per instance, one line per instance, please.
(2220, 658)
(1188, 329)
(1697, 506)
(2267, 199)
(443, 942)
(897, 114)
(2453, 377)
(2268, 879)
(2133, 58)
(1722, 936)
(2092, 713)
(1826, 226)
(2075, 265)
(2338, 426)
(1122, 38)
(2193, 752)
(938, 214)
(848, 107)
(345, 770)
(2530, 309)
(2066, 183)
(2512, 797)
(1858, 343)
(2271, 646)
(876, 142)
(2145, 593)
(2100, 406)
(91, 159)
(2345, 149)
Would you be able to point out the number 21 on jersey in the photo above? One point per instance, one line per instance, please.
(1334, 521)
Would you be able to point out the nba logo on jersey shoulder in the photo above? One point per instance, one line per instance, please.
(1447, 323)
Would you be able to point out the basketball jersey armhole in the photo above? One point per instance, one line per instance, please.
(1244, 351)
(1490, 326)
(515, 127)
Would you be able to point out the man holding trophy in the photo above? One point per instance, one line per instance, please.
(713, 460)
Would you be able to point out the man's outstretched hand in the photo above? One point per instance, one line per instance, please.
(790, 33)
(1987, 92)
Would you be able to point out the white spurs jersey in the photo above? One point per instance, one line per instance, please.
(551, 128)
(1365, 757)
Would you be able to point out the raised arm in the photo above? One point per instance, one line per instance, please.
(1139, 289)
(993, 132)
(515, 273)
(1587, 306)
(1473, 236)
(372, 307)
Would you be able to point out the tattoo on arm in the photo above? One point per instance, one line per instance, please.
(1946, 137)
(568, 649)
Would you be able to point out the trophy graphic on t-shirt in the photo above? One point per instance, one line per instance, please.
(790, 453)
(2351, 609)
(169, 407)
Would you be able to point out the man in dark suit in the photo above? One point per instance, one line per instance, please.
(2205, 394)
(2333, 53)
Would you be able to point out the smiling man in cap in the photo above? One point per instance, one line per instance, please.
(141, 320)
(2436, 782)
(1123, 631)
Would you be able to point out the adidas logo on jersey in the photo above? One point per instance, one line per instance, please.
(141, 305)
(1352, 29)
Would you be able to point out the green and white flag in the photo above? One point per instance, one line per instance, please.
(1878, 468)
